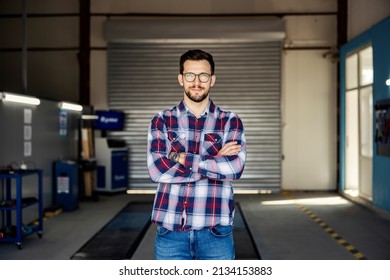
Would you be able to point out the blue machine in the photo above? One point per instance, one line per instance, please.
(112, 165)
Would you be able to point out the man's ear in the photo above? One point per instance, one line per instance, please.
(213, 79)
(180, 79)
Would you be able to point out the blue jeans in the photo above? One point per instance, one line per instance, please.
(206, 244)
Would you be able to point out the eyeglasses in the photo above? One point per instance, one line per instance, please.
(190, 77)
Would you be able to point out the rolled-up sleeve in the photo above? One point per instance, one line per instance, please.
(161, 168)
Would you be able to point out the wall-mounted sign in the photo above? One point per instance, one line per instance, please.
(63, 123)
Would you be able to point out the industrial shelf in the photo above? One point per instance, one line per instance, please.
(17, 204)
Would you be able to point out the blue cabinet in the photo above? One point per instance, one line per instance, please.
(112, 166)
(119, 169)
(66, 184)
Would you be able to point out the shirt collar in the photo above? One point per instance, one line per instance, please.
(183, 109)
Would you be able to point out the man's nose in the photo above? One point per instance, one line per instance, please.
(197, 80)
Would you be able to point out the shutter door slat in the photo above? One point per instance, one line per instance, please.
(142, 80)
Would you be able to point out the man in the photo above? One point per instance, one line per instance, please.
(195, 151)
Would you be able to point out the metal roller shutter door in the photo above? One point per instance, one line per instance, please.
(142, 80)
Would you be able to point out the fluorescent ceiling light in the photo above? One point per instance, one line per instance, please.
(89, 117)
(10, 97)
(308, 201)
(71, 106)
(141, 191)
(388, 82)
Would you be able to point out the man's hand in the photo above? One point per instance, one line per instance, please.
(230, 149)
(180, 158)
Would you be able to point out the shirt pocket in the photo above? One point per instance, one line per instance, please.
(212, 143)
(178, 140)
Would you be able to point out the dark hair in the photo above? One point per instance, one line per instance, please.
(196, 55)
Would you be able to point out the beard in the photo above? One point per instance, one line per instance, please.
(196, 98)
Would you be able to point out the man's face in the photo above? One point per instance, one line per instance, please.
(196, 90)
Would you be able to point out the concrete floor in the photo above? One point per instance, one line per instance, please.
(285, 226)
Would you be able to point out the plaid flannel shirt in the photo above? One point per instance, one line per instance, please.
(199, 193)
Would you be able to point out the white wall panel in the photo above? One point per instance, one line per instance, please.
(99, 74)
(363, 14)
(311, 31)
(309, 122)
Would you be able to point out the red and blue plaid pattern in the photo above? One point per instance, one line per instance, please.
(199, 193)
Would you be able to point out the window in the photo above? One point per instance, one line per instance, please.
(360, 76)
(351, 72)
(366, 70)
(366, 126)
